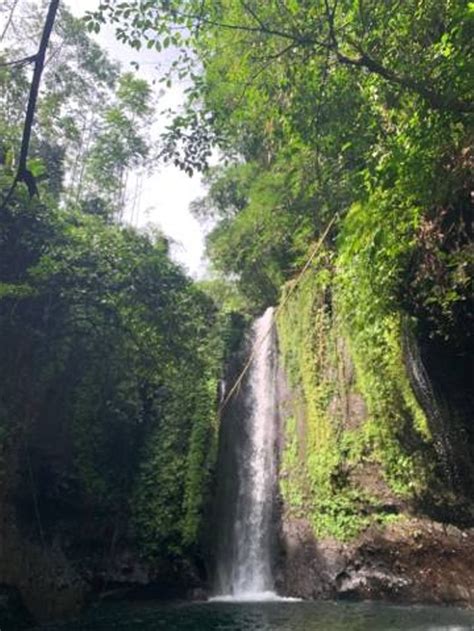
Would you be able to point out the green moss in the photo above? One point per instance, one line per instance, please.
(292, 470)
(370, 266)
(200, 462)
(317, 450)
(172, 488)
(343, 313)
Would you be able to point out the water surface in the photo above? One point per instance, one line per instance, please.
(270, 616)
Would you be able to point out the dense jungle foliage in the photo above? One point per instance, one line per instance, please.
(358, 111)
(352, 111)
(110, 355)
(357, 108)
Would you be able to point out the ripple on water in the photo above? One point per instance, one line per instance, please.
(269, 615)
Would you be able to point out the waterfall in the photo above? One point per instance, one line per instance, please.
(428, 401)
(248, 471)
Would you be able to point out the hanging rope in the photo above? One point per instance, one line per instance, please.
(275, 314)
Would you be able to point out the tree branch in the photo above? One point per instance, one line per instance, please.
(364, 61)
(23, 174)
(436, 100)
(9, 20)
(252, 29)
(18, 62)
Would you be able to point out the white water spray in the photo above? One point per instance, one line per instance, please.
(246, 573)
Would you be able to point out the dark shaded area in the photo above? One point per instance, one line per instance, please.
(13, 614)
(441, 374)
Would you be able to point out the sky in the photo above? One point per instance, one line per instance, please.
(167, 192)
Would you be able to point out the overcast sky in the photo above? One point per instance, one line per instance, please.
(165, 195)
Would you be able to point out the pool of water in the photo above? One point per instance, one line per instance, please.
(269, 616)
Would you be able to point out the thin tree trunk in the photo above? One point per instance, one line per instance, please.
(9, 20)
(23, 174)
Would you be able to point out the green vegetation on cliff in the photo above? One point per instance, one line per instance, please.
(349, 422)
(363, 109)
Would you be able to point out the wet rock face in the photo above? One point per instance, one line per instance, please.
(41, 583)
(440, 375)
(307, 570)
(418, 558)
(52, 568)
(415, 560)
(47, 584)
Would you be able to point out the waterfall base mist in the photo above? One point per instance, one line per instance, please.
(249, 597)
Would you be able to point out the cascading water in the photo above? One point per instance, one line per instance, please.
(248, 468)
(426, 396)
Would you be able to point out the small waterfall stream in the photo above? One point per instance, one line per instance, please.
(246, 524)
(438, 419)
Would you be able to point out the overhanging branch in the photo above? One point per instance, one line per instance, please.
(436, 100)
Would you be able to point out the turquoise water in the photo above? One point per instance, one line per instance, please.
(276, 616)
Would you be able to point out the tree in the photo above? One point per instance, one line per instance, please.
(409, 46)
(120, 142)
(23, 174)
(90, 131)
(99, 328)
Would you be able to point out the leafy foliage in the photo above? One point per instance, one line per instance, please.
(324, 103)
(331, 440)
(100, 330)
(110, 354)
(92, 120)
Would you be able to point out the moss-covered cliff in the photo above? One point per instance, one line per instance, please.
(375, 434)
(367, 435)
